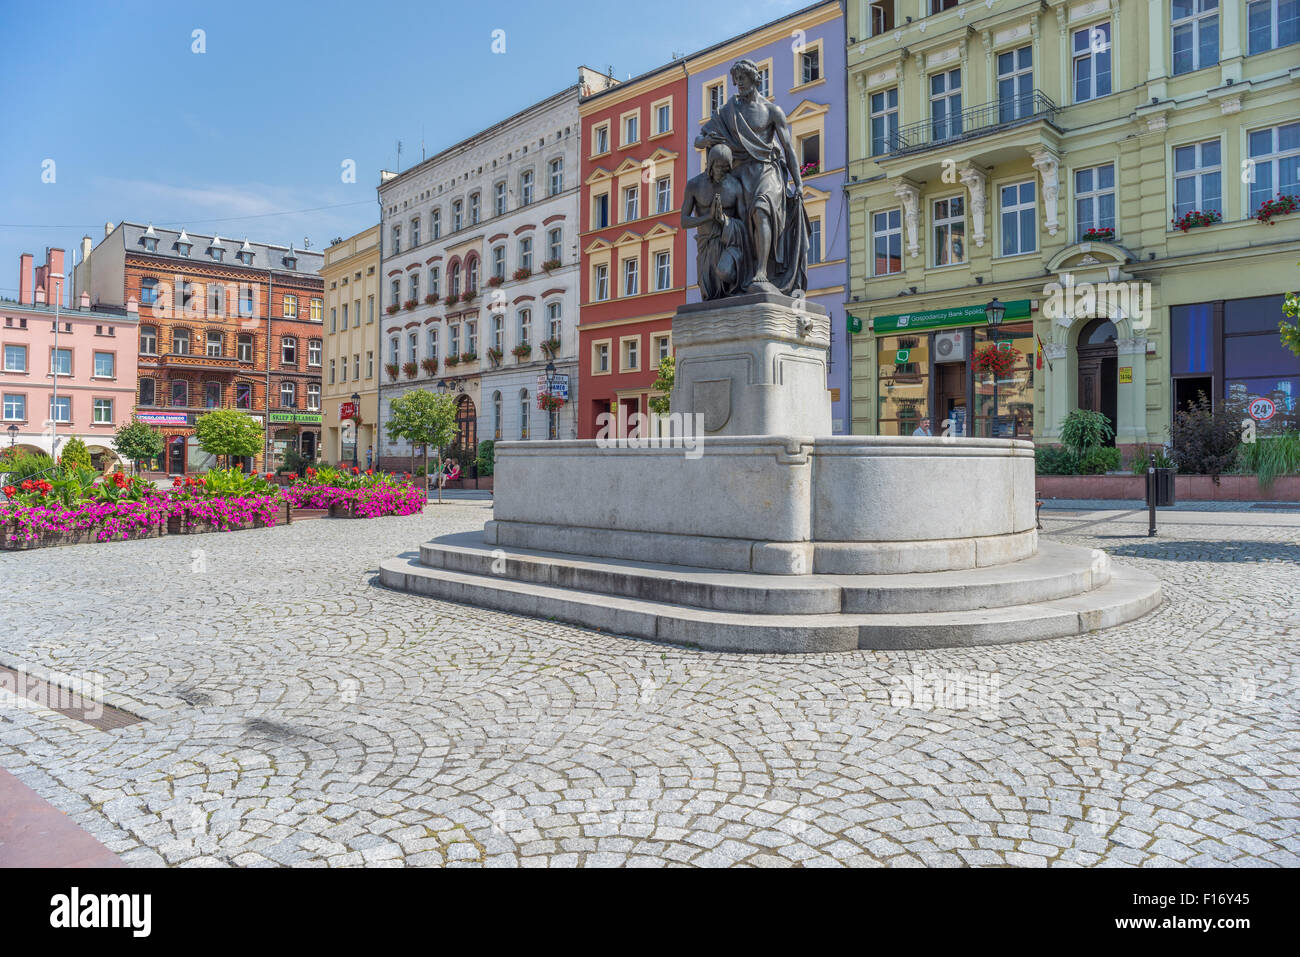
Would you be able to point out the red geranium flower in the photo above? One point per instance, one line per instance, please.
(176, 483)
(355, 470)
(9, 491)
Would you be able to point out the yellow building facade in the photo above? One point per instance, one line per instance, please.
(1097, 166)
(352, 363)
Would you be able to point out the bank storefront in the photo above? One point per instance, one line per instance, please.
(947, 371)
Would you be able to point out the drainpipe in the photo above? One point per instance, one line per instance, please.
(377, 432)
(266, 431)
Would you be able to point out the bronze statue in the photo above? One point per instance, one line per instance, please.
(772, 252)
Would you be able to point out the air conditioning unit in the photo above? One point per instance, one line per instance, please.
(950, 346)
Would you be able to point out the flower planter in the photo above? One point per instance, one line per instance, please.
(1189, 488)
(175, 526)
(78, 536)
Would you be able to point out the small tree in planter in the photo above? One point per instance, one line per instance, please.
(138, 442)
(1205, 439)
(229, 432)
(430, 366)
(522, 351)
(426, 419)
(409, 369)
(75, 453)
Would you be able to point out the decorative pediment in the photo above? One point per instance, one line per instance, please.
(659, 231)
(1090, 255)
(806, 110)
(628, 238)
(598, 175)
(598, 246)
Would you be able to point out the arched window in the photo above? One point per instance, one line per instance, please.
(288, 395)
(525, 326)
(149, 340)
(554, 321)
(453, 279)
(471, 278)
(181, 342)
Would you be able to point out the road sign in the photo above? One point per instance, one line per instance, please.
(559, 389)
(1261, 409)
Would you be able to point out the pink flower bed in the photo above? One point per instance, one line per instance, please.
(226, 512)
(363, 502)
(108, 521)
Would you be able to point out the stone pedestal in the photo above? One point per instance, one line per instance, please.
(754, 365)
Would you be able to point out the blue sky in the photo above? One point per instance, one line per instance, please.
(140, 127)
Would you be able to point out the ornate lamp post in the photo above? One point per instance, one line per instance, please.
(356, 431)
(993, 313)
(552, 413)
(13, 435)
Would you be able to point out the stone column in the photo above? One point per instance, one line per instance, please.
(1131, 398)
(1056, 389)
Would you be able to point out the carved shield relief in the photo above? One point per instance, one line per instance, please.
(713, 398)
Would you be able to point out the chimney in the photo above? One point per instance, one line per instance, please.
(25, 279)
(40, 296)
(86, 246)
(132, 307)
(108, 228)
(85, 300)
(55, 280)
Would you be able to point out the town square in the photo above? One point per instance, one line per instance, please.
(855, 434)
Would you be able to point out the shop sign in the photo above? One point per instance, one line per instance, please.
(347, 410)
(163, 418)
(559, 388)
(1262, 409)
(854, 323)
(1126, 375)
(901, 357)
(295, 418)
(972, 315)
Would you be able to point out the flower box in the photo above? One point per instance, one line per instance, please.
(430, 366)
(14, 539)
(551, 264)
(551, 347)
(494, 354)
(391, 369)
(451, 300)
(392, 309)
(495, 281)
(1281, 206)
(522, 351)
(430, 300)
(451, 360)
(523, 272)
(409, 369)
(468, 295)
(1103, 235)
(1197, 218)
(410, 304)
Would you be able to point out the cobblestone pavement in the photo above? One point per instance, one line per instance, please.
(298, 713)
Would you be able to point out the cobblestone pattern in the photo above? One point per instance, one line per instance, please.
(300, 714)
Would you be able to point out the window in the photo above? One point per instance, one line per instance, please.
(1015, 84)
(1274, 163)
(471, 336)
(217, 253)
(392, 350)
(180, 393)
(370, 309)
(432, 346)
(216, 298)
(525, 187)
(717, 94)
(631, 203)
(1094, 198)
(334, 320)
(15, 408)
(243, 395)
(415, 231)
(395, 289)
(474, 209)
(554, 321)
(555, 244)
(631, 276)
(1019, 219)
(663, 194)
(810, 152)
(151, 244)
(435, 284)
(213, 347)
(887, 242)
(471, 276)
(945, 104)
(288, 395)
(246, 257)
(600, 211)
(1196, 34)
(289, 350)
(290, 307)
(453, 280)
(555, 173)
(526, 253)
(663, 118)
(313, 396)
(523, 413)
(345, 315)
(313, 352)
(938, 6)
(600, 359)
(600, 140)
(663, 270)
(949, 230)
(631, 358)
(1272, 23)
(496, 416)
(356, 313)
(810, 66)
(343, 368)
(146, 391)
(814, 242)
(148, 292)
(414, 283)
(765, 81)
(148, 340)
(61, 408)
(246, 300)
(525, 326)
(499, 262)
(315, 313)
(397, 240)
(212, 395)
(356, 365)
(631, 129)
(884, 121)
(16, 358)
(457, 216)
(370, 360)
(412, 347)
(435, 223)
(662, 347)
(332, 371)
(453, 339)
(1092, 62)
(498, 334)
(245, 348)
(181, 342)
(1197, 178)
(499, 199)
(601, 283)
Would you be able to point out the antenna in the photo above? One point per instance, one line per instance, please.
(399, 156)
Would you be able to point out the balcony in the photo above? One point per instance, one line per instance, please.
(983, 120)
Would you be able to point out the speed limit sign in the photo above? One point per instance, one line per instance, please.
(1261, 409)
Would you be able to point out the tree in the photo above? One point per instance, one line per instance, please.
(659, 404)
(1291, 332)
(229, 432)
(425, 419)
(75, 453)
(1205, 439)
(137, 442)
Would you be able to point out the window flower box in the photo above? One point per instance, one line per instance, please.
(392, 308)
(430, 366)
(409, 369)
(468, 357)
(810, 169)
(551, 264)
(451, 299)
(494, 354)
(410, 304)
(522, 351)
(551, 347)
(1197, 218)
(391, 369)
(430, 300)
(523, 272)
(468, 295)
(1105, 234)
(1275, 207)
(451, 360)
(495, 281)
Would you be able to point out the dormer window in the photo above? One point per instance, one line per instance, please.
(183, 249)
(290, 262)
(216, 253)
(246, 258)
(151, 244)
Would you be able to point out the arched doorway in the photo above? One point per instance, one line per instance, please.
(1098, 365)
(466, 424)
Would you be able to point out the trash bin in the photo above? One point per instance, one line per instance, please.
(1160, 487)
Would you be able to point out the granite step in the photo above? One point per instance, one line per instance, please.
(1127, 594)
(1057, 571)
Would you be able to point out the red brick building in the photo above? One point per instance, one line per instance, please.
(636, 157)
(223, 324)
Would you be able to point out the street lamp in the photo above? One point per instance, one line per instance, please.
(13, 435)
(993, 313)
(356, 432)
(552, 414)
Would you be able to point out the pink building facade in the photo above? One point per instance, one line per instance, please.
(67, 369)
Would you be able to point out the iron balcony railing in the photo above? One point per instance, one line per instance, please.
(977, 121)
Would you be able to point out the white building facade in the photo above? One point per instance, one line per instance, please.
(480, 276)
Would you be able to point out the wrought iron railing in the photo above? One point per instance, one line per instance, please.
(975, 121)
